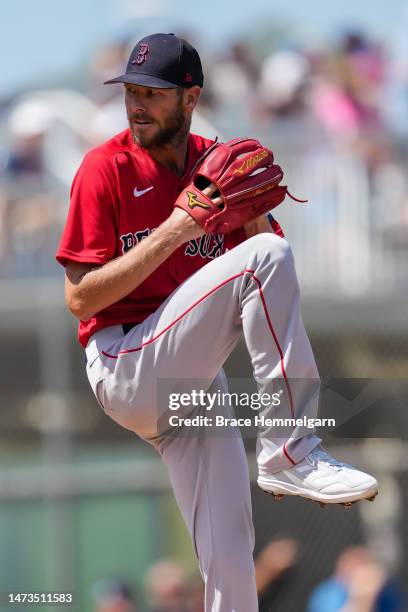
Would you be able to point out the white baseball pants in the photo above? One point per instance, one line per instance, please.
(253, 290)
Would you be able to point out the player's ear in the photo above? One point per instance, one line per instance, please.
(191, 97)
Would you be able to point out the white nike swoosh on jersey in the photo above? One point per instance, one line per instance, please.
(137, 193)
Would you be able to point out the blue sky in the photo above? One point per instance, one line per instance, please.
(39, 37)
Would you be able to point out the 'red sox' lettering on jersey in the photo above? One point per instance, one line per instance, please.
(209, 246)
(130, 239)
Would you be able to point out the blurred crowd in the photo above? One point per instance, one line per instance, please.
(348, 98)
(358, 583)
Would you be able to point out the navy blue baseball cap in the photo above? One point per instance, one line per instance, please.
(162, 60)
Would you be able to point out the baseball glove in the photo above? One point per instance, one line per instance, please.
(246, 184)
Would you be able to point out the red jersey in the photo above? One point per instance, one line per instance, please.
(119, 195)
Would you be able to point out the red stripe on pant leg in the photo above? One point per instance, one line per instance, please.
(292, 410)
(133, 350)
(285, 450)
(277, 345)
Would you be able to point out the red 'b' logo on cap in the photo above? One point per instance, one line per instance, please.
(188, 78)
(141, 56)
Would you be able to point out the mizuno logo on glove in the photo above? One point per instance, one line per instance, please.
(193, 201)
(251, 162)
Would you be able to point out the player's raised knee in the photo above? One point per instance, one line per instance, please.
(271, 244)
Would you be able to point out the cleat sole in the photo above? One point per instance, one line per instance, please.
(347, 504)
(278, 490)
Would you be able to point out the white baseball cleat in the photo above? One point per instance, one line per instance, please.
(321, 478)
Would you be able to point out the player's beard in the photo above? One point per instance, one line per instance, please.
(174, 130)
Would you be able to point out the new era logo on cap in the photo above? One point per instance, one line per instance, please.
(163, 60)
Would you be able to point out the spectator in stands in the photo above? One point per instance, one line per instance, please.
(359, 584)
(272, 567)
(282, 83)
(112, 595)
(167, 587)
(29, 202)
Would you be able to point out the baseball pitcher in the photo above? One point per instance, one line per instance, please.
(171, 256)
